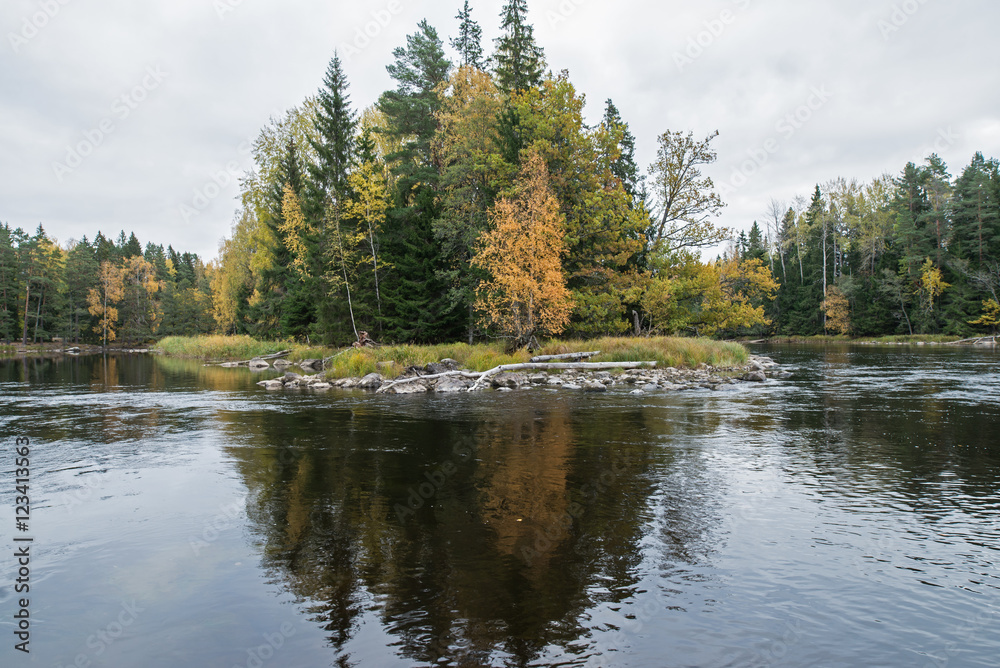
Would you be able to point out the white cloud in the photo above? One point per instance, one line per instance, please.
(893, 92)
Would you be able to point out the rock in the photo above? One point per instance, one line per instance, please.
(291, 376)
(637, 392)
(594, 386)
(444, 366)
(451, 384)
(321, 386)
(415, 387)
(372, 381)
(347, 383)
(504, 389)
(272, 384)
(257, 363)
(571, 386)
(282, 364)
(539, 379)
(508, 380)
(652, 387)
(755, 377)
(311, 364)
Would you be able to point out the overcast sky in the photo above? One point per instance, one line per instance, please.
(117, 114)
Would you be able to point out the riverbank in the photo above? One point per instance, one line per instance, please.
(904, 339)
(392, 361)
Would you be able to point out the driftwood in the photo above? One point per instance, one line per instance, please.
(578, 366)
(973, 341)
(568, 356)
(402, 381)
(283, 353)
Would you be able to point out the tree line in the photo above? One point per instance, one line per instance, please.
(99, 291)
(918, 253)
(473, 200)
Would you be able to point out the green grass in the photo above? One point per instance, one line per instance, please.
(8, 350)
(391, 361)
(235, 348)
(666, 351)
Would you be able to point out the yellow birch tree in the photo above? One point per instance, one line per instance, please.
(100, 300)
(526, 293)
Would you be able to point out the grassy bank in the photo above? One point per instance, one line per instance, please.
(390, 361)
(235, 348)
(905, 338)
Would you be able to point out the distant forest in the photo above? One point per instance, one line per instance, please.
(474, 201)
(104, 290)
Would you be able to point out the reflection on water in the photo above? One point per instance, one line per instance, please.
(847, 516)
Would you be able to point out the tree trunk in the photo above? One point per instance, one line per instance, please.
(27, 296)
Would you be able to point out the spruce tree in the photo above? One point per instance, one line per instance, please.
(469, 41)
(623, 167)
(335, 125)
(413, 295)
(518, 61)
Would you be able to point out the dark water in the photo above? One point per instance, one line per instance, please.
(183, 517)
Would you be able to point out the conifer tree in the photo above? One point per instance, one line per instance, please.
(469, 42)
(334, 147)
(518, 62)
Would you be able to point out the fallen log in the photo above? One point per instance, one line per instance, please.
(401, 381)
(567, 356)
(283, 353)
(574, 366)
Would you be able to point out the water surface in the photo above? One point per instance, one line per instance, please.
(184, 517)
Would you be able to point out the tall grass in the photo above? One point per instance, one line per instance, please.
(666, 351)
(235, 348)
(391, 361)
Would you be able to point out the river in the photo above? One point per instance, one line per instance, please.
(183, 517)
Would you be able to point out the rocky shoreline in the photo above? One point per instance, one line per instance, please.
(446, 377)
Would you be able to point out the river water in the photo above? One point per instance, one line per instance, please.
(183, 517)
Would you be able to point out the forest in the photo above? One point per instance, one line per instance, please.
(473, 201)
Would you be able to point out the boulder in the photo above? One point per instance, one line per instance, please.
(571, 386)
(538, 379)
(282, 364)
(316, 365)
(594, 386)
(321, 386)
(372, 381)
(755, 377)
(444, 366)
(508, 380)
(257, 363)
(272, 384)
(416, 387)
(451, 384)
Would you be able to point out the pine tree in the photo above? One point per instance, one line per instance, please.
(518, 62)
(9, 283)
(334, 147)
(469, 41)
